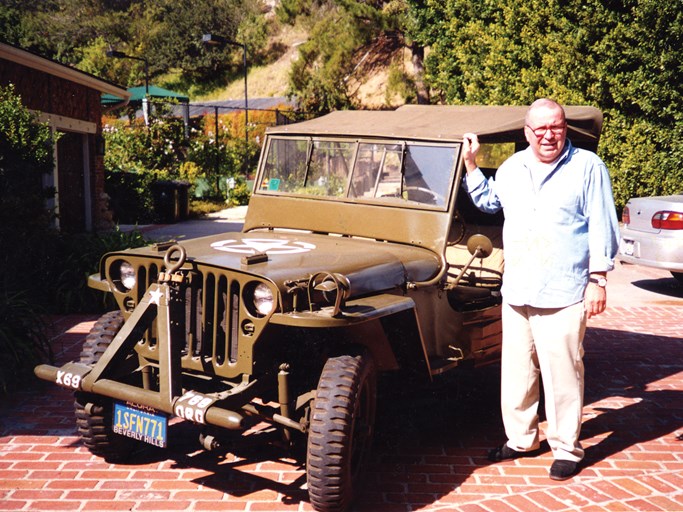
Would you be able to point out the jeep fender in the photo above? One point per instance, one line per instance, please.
(386, 324)
(96, 282)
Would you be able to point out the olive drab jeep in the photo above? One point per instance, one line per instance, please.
(360, 256)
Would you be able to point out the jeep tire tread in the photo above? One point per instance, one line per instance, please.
(94, 412)
(341, 431)
(100, 337)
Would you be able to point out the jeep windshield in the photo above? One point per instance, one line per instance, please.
(392, 172)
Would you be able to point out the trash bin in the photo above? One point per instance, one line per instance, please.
(166, 201)
(183, 188)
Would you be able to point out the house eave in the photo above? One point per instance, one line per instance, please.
(50, 67)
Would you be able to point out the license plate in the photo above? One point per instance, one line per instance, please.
(140, 423)
(628, 247)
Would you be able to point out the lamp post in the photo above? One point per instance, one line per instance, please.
(120, 55)
(216, 40)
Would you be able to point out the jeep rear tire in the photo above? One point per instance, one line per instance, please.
(341, 431)
(94, 412)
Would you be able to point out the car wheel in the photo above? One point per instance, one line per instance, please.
(341, 431)
(94, 412)
(678, 276)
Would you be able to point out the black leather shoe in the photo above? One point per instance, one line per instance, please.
(504, 452)
(563, 469)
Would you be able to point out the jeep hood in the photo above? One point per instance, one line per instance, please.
(368, 264)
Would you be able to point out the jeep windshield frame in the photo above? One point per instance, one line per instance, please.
(401, 173)
(348, 211)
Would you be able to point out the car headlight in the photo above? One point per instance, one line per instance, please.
(123, 274)
(128, 278)
(264, 302)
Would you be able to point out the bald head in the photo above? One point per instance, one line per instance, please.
(544, 103)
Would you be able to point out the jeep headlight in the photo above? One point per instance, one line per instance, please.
(264, 302)
(124, 276)
(128, 278)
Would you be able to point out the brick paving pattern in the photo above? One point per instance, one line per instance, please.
(430, 453)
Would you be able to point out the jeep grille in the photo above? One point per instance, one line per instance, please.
(220, 324)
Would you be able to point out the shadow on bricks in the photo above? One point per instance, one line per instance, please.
(431, 439)
(632, 394)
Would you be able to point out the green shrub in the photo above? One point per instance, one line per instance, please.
(400, 84)
(26, 154)
(130, 196)
(23, 339)
(137, 156)
(239, 196)
(53, 274)
(78, 257)
(200, 207)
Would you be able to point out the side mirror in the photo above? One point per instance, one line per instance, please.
(480, 246)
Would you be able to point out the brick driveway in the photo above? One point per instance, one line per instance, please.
(430, 453)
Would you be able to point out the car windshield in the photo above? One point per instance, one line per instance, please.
(392, 172)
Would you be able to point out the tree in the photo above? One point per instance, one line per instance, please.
(167, 33)
(339, 29)
(639, 83)
(620, 55)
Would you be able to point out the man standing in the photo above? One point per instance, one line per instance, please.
(560, 236)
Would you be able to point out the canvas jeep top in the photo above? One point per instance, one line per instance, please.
(360, 255)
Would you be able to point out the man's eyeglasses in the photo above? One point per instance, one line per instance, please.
(542, 130)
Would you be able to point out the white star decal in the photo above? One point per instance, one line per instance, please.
(267, 245)
(155, 296)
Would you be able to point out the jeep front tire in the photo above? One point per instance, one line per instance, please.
(94, 412)
(341, 431)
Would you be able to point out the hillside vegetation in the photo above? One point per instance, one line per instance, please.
(620, 55)
(269, 79)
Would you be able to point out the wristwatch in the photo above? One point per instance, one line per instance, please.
(600, 281)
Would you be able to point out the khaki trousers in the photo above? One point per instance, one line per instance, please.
(545, 342)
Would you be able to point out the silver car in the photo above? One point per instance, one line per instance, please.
(652, 233)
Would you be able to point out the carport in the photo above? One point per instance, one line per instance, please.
(140, 96)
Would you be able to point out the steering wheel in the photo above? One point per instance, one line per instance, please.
(435, 196)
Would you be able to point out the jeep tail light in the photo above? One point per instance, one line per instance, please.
(667, 220)
(626, 216)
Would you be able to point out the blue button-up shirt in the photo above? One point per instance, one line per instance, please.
(560, 224)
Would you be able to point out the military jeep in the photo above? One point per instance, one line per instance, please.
(360, 256)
